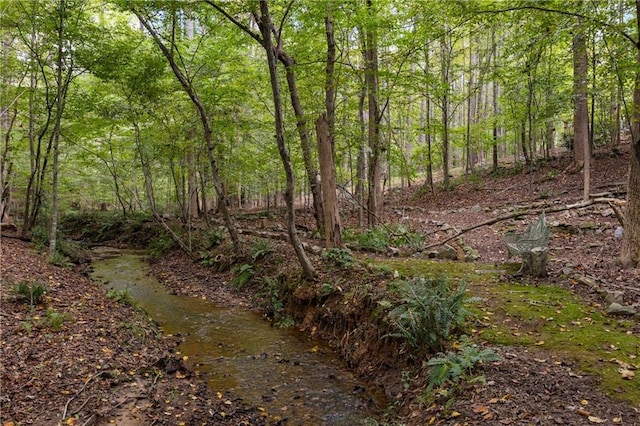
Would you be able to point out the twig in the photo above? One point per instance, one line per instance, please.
(66, 406)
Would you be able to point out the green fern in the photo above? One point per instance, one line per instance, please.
(428, 313)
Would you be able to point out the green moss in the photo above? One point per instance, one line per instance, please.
(548, 317)
(554, 319)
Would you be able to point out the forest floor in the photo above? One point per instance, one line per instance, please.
(105, 363)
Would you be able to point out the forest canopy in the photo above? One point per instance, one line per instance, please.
(190, 108)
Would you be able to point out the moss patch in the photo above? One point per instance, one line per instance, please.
(545, 316)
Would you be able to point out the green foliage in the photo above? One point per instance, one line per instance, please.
(455, 366)
(60, 259)
(260, 249)
(54, 319)
(428, 313)
(121, 296)
(213, 237)
(274, 290)
(160, 245)
(243, 272)
(26, 325)
(32, 292)
(379, 239)
(339, 256)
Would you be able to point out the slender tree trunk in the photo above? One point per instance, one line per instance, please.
(265, 28)
(371, 80)
(445, 63)
(332, 227)
(581, 145)
(362, 157)
(581, 112)
(630, 253)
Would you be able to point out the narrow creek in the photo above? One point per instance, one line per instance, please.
(283, 371)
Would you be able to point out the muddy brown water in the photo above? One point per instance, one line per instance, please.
(282, 371)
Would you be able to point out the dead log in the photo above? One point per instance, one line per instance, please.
(533, 211)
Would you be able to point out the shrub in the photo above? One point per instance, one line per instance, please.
(55, 319)
(33, 292)
(457, 366)
(243, 272)
(260, 249)
(428, 313)
(160, 245)
(59, 259)
(339, 257)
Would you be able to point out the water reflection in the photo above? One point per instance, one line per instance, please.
(282, 371)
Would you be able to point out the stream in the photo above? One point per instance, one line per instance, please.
(283, 371)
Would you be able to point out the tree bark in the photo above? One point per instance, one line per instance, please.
(581, 146)
(371, 81)
(630, 252)
(265, 28)
(332, 228)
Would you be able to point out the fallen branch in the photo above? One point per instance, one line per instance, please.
(66, 406)
(579, 205)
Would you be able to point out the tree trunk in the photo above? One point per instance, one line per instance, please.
(630, 253)
(581, 113)
(332, 228)
(445, 61)
(362, 158)
(375, 148)
(219, 185)
(265, 28)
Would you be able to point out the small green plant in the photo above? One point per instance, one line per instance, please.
(273, 288)
(243, 272)
(160, 245)
(54, 319)
(121, 296)
(26, 325)
(213, 237)
(260, 249)
(460, 365)
(59, 259)
(428, 313)
(448, 371)
(339, 256)
(32, 292)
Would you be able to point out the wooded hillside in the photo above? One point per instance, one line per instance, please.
(172, 107)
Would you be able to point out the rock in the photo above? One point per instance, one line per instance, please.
(393, 251)
(618, 309)
(614, 297)
(588, 281)
(607, 213)
(476, 209)
(446, 252)
(567, 270)
(316, 249)
(618, 232)
(471, 254)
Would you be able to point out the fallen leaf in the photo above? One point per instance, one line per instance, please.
(540, 343)
(626, 374)
(583, 412)
(617, 420)
(455, 414)
(179, 375)
(594, 419)
(480, 409)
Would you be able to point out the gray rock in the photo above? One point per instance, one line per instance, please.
(446, 252)
(618, 309)
(476, 209)
(612, 296)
